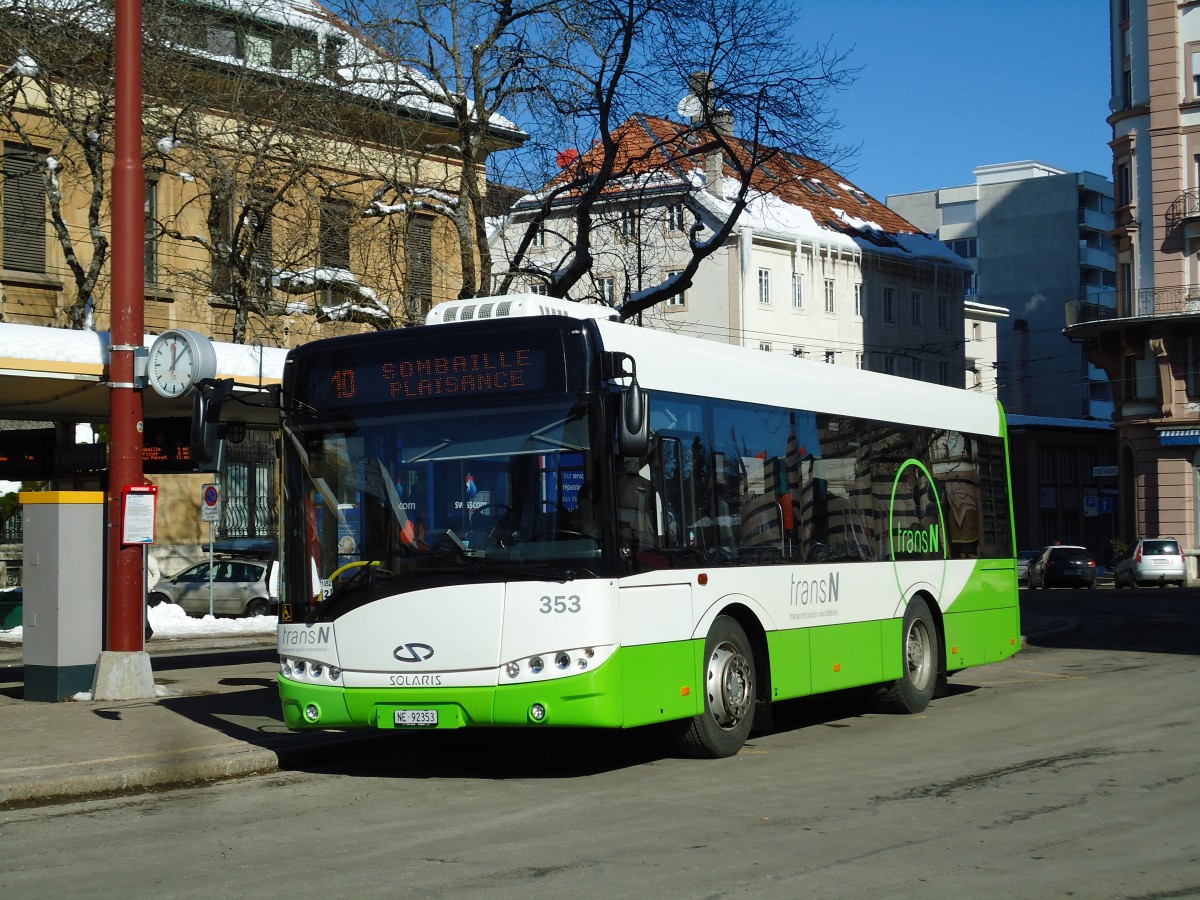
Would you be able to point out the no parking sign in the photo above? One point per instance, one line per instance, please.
(210, 503)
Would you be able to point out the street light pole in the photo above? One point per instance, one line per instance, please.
(123, 671)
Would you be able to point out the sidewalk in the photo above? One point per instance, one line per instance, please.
(217, 716)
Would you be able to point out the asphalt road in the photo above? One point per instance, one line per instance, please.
(1070, 770)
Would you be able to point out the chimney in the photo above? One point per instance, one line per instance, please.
(701, 86)
(714, 173)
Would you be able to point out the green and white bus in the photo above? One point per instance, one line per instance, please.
(526, 514)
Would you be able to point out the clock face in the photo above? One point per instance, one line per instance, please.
(178, 359)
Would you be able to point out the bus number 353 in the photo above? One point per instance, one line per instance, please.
(560, 604)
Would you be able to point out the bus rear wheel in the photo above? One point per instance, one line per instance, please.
(729, 689)
(913, 690)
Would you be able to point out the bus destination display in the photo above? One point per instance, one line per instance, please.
(428, 376)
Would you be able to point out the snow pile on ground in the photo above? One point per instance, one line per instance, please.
(170, 621)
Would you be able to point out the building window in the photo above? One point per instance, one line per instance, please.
(1141, 382)
(1126, 288)
(889, 305)
(943, 312)
(1193, 58)
(797, 351)
(418, 283)
(1066, 465)
(675, 217)
(798, 291)
(150, 239)
(976, 375)
(830, 300)
(221, 224)
(606, 288)
(1124, 186)
(764, 287)
(858, 309)
(889, 364)
(679, 300)
(538, 238)
(1046, 459)
(1193, 367)
(334, 234)
(24, 209)
(918, 370)
(967, 248)
(917, 311)
(538, 288)
(976, 331)
(859, 360)
(628, 224)
(831, 356)
(764, 345)
(944, 372)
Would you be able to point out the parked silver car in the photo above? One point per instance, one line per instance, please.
(1024, 558)
(1151, 561)
(239, 588)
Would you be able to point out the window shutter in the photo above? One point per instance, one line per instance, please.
(24, 209)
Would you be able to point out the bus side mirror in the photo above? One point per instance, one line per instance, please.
(633, 422)
(207, 442)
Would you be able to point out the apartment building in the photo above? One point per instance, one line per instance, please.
(1146, 332)
(1035, 237)
(814, 266)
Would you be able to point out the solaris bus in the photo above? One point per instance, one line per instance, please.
(528, 513)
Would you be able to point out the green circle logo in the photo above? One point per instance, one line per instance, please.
(917, 530)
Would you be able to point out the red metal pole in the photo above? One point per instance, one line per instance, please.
(125, 602)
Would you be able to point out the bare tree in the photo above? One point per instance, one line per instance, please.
(574, 73)
(56, 101)
(747, 95)
(475, 57)
(254, 127)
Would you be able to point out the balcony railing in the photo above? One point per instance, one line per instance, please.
(1185, 207)
(1148, 302)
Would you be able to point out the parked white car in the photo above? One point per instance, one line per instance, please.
(1151, 561)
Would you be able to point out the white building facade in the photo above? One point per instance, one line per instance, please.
(815, 268)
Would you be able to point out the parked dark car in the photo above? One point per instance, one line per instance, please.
(1151, 561)
(1061, 565)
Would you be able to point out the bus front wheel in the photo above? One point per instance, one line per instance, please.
(913, 690)
(729, 688)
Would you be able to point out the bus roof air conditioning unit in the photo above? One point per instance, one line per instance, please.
(514, 305)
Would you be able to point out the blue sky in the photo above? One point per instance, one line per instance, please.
(948, 85)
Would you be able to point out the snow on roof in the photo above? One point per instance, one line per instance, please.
(41, 343)
(362, 69)
(796, 197)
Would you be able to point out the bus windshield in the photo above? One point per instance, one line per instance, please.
(394, 499)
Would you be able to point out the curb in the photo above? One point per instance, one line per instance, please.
(159, 770)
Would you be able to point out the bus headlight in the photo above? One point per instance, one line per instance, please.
(536, 664)
(512, 670)
(563, 659)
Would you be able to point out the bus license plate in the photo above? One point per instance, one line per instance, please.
(418, 717)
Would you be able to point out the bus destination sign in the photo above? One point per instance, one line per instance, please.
(442, 376)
